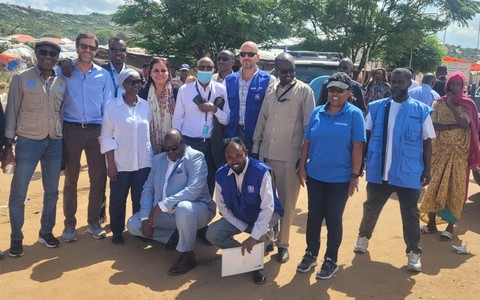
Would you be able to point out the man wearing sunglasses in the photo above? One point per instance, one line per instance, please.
(278, 139)
(34, 116)
(246, 90)
(88, 90)
(175, 200)
(225, 62)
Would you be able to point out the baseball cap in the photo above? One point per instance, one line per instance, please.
(184, 67)
(340, 80)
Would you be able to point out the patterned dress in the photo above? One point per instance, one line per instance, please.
(446, 191)
(161, 112)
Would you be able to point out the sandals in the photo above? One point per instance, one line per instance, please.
(425, 230)
(446, 236)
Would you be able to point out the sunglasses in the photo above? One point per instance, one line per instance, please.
(286, 71)
(204, 68)
(44, 52)
(223, 58)
(159, 70)
(117, 50)
(134, 82)
(172, 148)
(334, 89)
(249, 54)
(85, 47)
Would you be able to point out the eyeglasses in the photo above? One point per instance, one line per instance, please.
(172, 148)
(286, 71)
(44, 52)
(134, 82)
(205, 68)
(249, 54)
(117, 50)
(223, 58)
(85, 47)
(334, 89)
(159, 70)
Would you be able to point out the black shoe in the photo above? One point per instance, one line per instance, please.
(282, 255)
(185, 263)
(259, 276)
(48, 240)
(173, 241)
(202, 235)
(269, 248)
(16, 249)
(117, 239)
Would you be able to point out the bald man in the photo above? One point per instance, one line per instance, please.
(346, 66)
(246, 90)
(425, 93)
(197, 104)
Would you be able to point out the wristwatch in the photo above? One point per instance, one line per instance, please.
(354, 175)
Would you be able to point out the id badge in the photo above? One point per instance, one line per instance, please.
(205, 130)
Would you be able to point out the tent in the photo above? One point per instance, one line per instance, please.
(10, 60)
(22, 38)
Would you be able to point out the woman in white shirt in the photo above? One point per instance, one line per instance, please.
(125, 140)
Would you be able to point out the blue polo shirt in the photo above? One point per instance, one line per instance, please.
(86, 94)
(331, 137)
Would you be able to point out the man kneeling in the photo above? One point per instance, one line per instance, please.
(175, 201)
(247, 201)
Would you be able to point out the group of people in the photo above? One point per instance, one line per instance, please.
(243, 142)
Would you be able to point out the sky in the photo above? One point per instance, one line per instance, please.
(466, 37)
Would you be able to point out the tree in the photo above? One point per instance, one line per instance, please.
(366, 28)
(198, 27)
(425, 56)
(104, 35)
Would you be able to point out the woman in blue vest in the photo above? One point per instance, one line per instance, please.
(330, 165)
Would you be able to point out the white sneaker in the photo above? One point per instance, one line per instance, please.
(414, 262)
(361, 245)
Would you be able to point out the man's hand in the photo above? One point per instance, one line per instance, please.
(425, 178)
(147, 230)
(248, 244)
(67, 69)
(112, 172)
(353, 186)
(302, 175)
(207, 107)
(8, 158)
(153, 215)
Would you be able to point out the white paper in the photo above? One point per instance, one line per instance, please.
(234, 263)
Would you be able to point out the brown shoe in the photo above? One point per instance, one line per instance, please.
(185, 263)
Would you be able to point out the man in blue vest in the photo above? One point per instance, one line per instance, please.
(247, 200)
(246, 91)
(397, 127)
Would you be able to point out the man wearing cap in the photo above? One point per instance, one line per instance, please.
(34, 116)
(88, 90)
(225, 62)
(177, 82)
(246, 90)
(278, 139)
(197, 104)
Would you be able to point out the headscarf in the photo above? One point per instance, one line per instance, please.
(122, 77)
(471, 110)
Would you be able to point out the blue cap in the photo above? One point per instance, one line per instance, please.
(184, 67)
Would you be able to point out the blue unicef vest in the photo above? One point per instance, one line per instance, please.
(246, 204)
(255, 96)
(407, 148)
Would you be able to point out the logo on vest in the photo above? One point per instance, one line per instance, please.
(31, 84)
(60, 89)
(250, 189)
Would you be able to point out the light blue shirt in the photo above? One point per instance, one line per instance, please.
(331, 137)
(86, 94)
(424, 93)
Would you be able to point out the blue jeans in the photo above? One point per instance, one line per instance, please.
(377, 196)
(28, 153)
(326, 201)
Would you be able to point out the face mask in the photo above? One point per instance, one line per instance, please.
(204, 76)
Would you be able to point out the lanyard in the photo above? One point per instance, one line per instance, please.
(115, 85)
(209, 94)
(284, 93)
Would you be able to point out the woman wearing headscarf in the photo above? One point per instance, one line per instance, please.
(330, 164)
(378, 86)
(125, 140)
(161, 100)
(455, 152)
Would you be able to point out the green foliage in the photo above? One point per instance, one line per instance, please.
(197, 28)
(425, 56)
(104, 35)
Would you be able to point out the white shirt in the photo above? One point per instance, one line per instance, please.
(267, 206)
(428, 132)
(125, 130)
(188, 118)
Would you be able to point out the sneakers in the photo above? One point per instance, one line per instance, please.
(329, 268)
(414, 262)
(361, 245)
(49, 240)
(69, 235)
(96, 230)
(307, 262)
(16, 249)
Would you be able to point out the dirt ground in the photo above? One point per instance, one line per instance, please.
(91, 269)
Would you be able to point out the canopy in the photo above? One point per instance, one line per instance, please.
(22, 38)
(10, 60)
